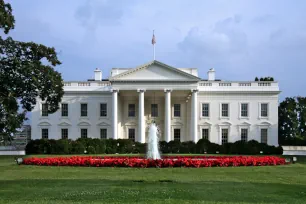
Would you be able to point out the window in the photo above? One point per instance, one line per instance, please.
(264, 110)
(224, 110)
(132, 110)
(154, 110)
(205, 110)
(177, 110)
(177, 134)
(224, 133)
(103, 109)
(44, 133)
(264, 136)
(64, 109)
(244, 110)
(44, 109)
(205, 133)
(132, 134)
(64, 133)
(83, 109)
(244, 134)
(103, 133)
(83, 133)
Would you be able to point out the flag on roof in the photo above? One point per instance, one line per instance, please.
(153, 39)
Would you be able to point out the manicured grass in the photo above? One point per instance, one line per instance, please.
(36, 184)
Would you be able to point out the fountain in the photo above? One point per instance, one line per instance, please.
(153, 150)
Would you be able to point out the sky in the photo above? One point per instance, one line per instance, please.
(240, 39)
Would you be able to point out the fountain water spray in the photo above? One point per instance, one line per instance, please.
(153, 147)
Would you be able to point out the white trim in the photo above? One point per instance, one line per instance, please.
(107, 131)
(209, 131)
(239, 108)
(220, 110)
(201, 109)
(84, 127)
(259, 110)
(248, 132)
(172, 132)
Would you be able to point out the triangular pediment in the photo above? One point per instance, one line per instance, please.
(265, 123)
(154, 71)
(64, 124)
(103, 124)
(206, 123)
(225, 124)
(83, 123)
(245, 124)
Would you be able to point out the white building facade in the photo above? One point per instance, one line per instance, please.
(184, 107)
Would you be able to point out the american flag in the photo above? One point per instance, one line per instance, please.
(153, 39)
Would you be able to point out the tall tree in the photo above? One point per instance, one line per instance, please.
(301, 109)
(26, 73)
(287, 120)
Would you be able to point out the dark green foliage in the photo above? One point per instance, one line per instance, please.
(7, 20)
(26, 73)
(264, 79)
(125, 146)
(292, 121)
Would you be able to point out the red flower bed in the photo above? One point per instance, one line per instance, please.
(168, 161)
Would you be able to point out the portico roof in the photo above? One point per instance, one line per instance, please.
(155, 71)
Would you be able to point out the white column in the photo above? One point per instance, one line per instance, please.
(115, 113)
(194, 114)
(167, 115)
(141, 120)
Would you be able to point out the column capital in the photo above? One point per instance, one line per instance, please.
(194, 90)
(114, 90)
(141, 90)
(167, 90)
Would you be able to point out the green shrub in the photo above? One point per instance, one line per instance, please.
(126, 146)
(202, 146)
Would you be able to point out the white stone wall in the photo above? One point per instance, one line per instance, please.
(74, 122)
(54, 122)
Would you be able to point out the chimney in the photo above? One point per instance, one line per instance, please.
(98, 75)
(211, 74)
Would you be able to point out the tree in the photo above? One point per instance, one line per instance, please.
(26, 73)
(256, 79)
(287, 120)
(301, 109)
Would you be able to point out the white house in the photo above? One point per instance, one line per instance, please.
(184, 106)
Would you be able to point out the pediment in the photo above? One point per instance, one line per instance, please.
(266, 123)
(225, 123)
(131, 124)
(177, 124)
(245, 124)
(44, 124)
(154, 71)
(205, 124)
(83, 123)
(64, 124)
(103, 124)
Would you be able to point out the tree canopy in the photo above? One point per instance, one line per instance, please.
(26, 73)
(292, 121)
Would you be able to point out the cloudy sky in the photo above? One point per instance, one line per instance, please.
(241, 39)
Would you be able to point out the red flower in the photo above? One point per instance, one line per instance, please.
(167, 161)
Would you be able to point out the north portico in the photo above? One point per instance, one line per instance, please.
(154, 88)
(184, 107)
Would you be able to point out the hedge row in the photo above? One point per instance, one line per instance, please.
(125, 146)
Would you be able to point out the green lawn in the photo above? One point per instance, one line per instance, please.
(34, 184)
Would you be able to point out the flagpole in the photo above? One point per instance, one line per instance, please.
(153, 47)
(154, 51)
